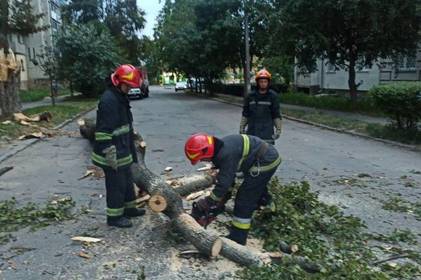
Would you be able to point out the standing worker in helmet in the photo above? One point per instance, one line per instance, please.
(258, 161)
(261, 111)
(114, 148)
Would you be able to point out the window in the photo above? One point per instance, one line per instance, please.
(29, 53)
(363, 68)
(407, 63)
(22, 65)
(330, 68)
(35, 55)
(54, 25)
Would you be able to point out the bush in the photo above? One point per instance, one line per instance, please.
(331, 102)
(401, 102)
(238, 89)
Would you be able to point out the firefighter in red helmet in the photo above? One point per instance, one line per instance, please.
(114, 148)
(261, 113)
(258, 161)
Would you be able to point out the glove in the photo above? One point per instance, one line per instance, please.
(111, 156)
(205, 211)
(243, 125)
(278, 126)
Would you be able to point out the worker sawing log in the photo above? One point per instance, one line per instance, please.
(206, 241)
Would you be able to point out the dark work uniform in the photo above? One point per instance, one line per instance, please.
(260, 111)
(257, 160)
(114, 127)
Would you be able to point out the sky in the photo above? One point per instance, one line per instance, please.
(151, 8)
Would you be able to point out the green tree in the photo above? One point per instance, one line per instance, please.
(82, 11)
(87, 56)
(347, 33)
(125, 20)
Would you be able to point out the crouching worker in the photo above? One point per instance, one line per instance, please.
(249, 154)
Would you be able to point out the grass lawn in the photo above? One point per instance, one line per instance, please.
(375, 130)
(60, 113)
(38, 94)
(331, 102)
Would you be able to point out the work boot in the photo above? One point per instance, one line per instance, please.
(119, 221)
(134, 212)
(238, 235)
(266, 202)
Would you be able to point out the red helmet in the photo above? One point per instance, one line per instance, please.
(263, 74)
(127, 74)
(199, 146)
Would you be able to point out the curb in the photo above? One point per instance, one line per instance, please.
(356, 134)
(33, 141)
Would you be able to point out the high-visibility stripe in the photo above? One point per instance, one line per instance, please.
(264, 103)
(268, 167)
(115, 212)
(125, 160)
(120, 162)
(241, 223)
(130, 204)
(102, 136)
(246, 149)
(99, 159)
(121, 130)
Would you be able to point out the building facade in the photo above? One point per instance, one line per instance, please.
(326, 77)
(28, 48)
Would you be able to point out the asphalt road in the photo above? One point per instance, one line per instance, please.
(354, 173)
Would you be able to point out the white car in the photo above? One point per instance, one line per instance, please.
(180, 86)
(135, 93)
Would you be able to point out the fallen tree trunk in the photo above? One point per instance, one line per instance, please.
(205, 241)
(195, 183)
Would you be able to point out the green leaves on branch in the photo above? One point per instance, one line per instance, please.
(14, 218)
(324, 235)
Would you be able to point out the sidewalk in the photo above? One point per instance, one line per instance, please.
(345, 115)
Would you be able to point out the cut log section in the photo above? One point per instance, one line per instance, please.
(157, 203)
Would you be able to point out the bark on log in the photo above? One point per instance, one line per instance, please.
(194, 183)
(198, 236)
(242, 254)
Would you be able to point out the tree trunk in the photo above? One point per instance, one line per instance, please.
(351, 79)
(247, 54)
(9, 94)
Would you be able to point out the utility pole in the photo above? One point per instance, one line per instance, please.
(247, 51)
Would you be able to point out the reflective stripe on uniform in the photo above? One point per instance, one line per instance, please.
(266, 168)
(264, 103)
(121, 130)
(120, 162)
(115, 212)
(246, 149)
(241, 223)
(103, 136)
(130, 204)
